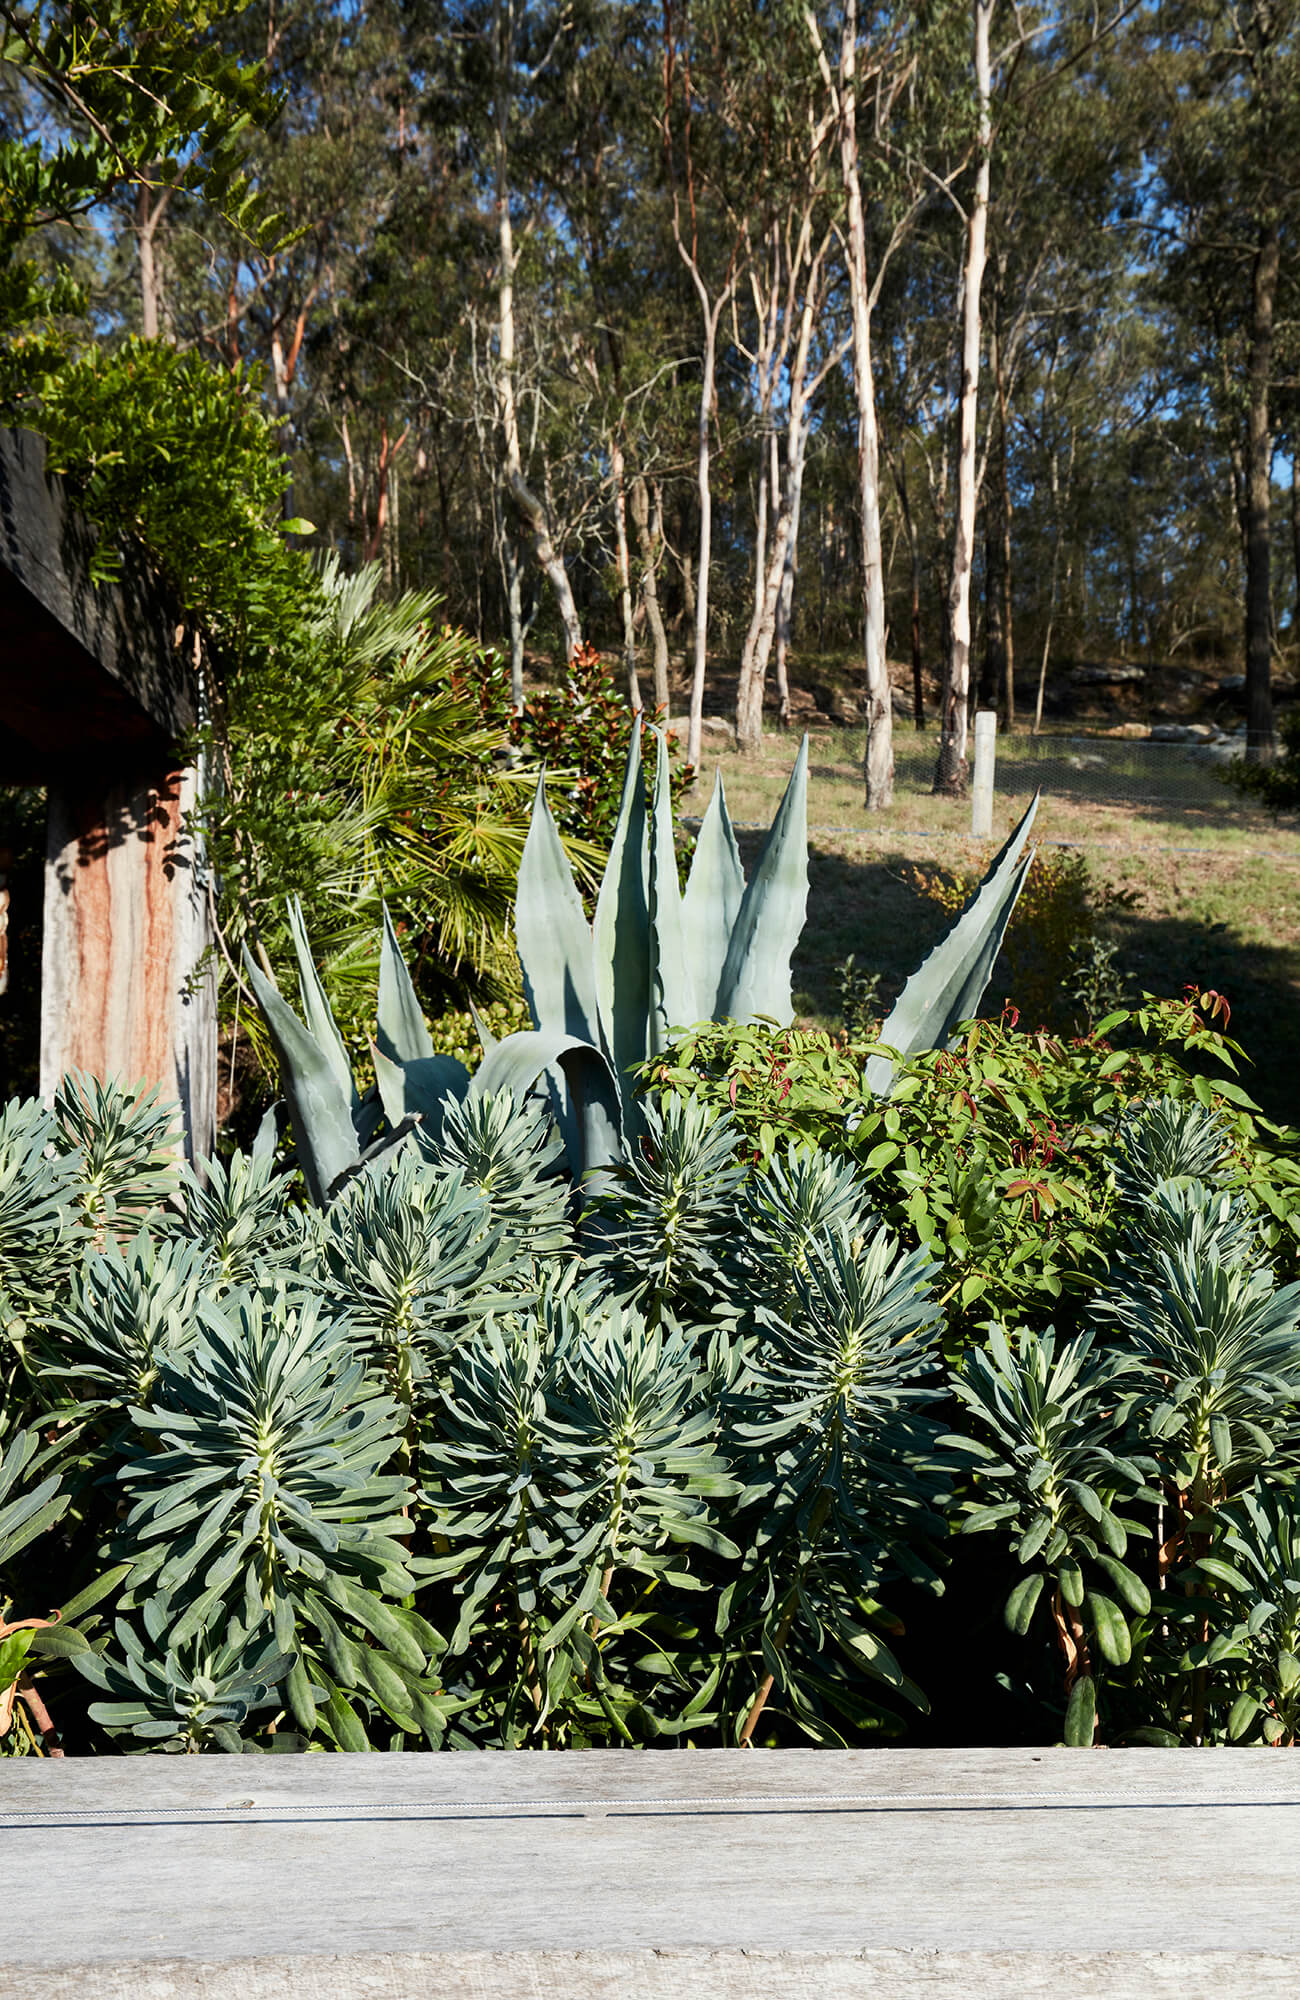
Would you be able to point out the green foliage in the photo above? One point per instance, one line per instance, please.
(998, 1153)
(1179, 1418)
(435, 1467)
(1059, 963)
(400, 797)
(423, 1470)
(607, 996)
(146, 97)
(1276, 785)
(580, 729)
(159, 445)
(192, 1696)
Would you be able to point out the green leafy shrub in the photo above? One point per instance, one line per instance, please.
(450, 1463)
(1276, 785)
(1060, 964)
(580, 728)
(996, 1153)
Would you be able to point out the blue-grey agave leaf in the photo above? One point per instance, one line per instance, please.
(621, 931)
(715, 890)
(949, 985)
(583, 1090)
(673, 1000)
(756, 973)
(402, 1033)
(419, 1089)
(552, 934)
(319, 1014)
(320, 1109)
(486, 1039)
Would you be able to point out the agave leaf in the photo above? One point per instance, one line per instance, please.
(950, 984)
(756, 973)
(673, 1001)
(402, 1033)
(486, 1039)
(315, 1006)
(319, 1108)
(621, 931)
(715, 890)
(583, 1090)
(552, 935)
(267, 1136)
(419, 1089)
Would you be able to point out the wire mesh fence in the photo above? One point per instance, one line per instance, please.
(1187, 776)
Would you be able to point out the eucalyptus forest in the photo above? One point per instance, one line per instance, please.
(729, 336)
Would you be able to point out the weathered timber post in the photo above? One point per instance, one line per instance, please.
(981, 805)
(95, 693)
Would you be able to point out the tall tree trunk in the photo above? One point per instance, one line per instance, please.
(149, 210)
(708, 368)
(878, 758)
(1058, 537)
(760, 526)
(951, 770)
(531, 509)
(514, 616)
(757, 649)
(993, 670)
(1006, 694)
(649, 541)
(624, 573)
(1259, 482)
(1295, 538)
(785, 602)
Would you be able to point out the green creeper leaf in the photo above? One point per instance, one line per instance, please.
(1220, 1571)
(1242, 1713)
(13, 1656)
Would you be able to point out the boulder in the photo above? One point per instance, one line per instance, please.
(716, 732)
(1106, 676)
(1182, 732)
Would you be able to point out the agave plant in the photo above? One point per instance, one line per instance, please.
(606, 995)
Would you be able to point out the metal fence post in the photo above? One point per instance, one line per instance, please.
(981, 805)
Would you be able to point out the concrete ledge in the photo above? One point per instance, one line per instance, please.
(662, 1873)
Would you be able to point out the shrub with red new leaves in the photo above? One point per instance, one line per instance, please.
(579, 728)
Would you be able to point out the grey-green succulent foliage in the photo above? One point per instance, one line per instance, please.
(442, 1465)
(1171, 1421)
(425, 1468)
(608, 994)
